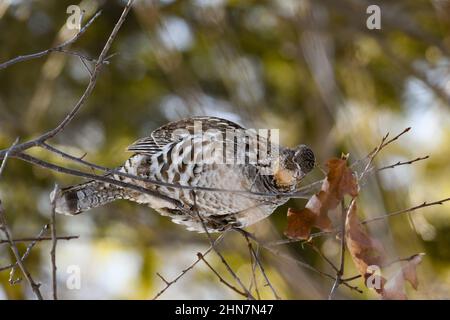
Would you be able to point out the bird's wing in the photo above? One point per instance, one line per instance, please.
(172, 132)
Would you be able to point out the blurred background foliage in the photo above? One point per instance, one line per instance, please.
(310, 68)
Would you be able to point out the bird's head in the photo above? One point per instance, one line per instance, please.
(293, 165)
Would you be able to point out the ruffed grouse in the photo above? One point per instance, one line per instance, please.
(216, 191)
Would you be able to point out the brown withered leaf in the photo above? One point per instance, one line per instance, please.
(410, 269)
(300, 223)
(394, 287)
(369, 255)
(364, 250)
(340, 181)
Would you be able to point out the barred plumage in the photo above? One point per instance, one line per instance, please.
(172, 157)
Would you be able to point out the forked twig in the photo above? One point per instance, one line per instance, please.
(59, 48)
(24, 256)
(186, 270)
(259, 263)
(4, 227)
(222, 258)
(201, 257)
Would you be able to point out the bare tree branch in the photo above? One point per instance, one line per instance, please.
(420, 206)
(340, 272)
(17, 240)
(55, 192)
(261, 267)
(4, 227)
(88, 91)
(402, 163)
(24, 256)
(59, 48)
(186, 270)
(18, 148)
(233, 274)
(200, 256)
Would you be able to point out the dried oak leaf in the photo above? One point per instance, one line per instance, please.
(364, 250)
(300, 223)
(410, 269)
(339, 182)
(394, 287)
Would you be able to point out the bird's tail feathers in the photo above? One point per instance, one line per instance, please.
(82, 197)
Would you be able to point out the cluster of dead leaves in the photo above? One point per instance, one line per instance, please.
(368, 254)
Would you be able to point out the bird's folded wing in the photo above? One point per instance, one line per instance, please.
(172, 132)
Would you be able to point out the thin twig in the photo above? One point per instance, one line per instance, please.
(24, 256)
(17, 240)
(253, 264)
(230, 270)
(7, 155)
(4, 227)
(33, 241)
(88, 91)
(263, 272)
(289, 240)
(200, 256)
(18, 148)
(373, 169)
(82, 56)
(186, 270)
(384, 143)
(266, 278)
(402, 163)
(386, 265)
(420, 206)
(59, 48)
(12, 245)
(162, 278)
(277, 253)
(298, 262)
(324, 257)
(55, 192)
(86, 66)
(340, 272)
(372, 155)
